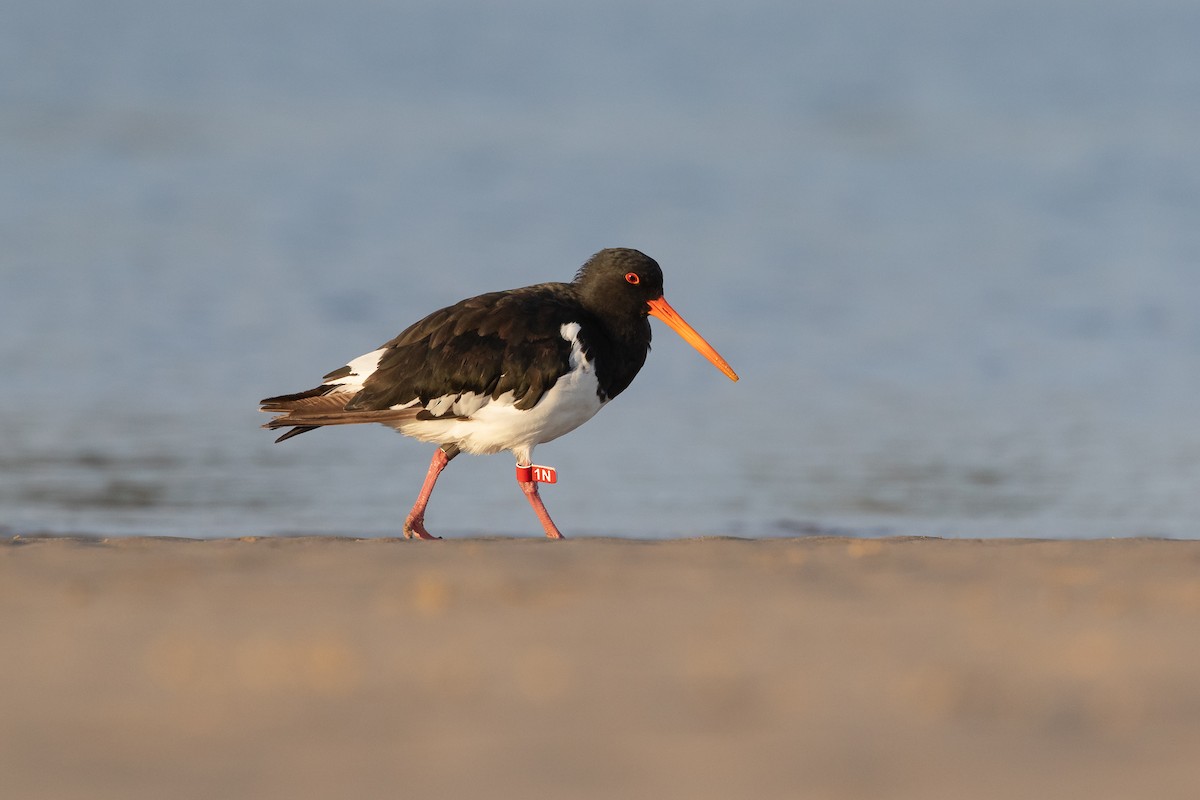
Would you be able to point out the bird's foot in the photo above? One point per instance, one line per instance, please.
(414, 528)
(531, 493)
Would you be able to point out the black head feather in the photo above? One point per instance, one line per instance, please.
(616, 284)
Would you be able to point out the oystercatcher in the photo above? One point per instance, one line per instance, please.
(502, 371)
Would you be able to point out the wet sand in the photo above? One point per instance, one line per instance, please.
(814, 667)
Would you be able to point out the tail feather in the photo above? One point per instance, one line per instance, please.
(294, 431)
(288, 402)
(324, 405)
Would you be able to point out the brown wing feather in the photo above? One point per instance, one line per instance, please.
(324, 405)
(315, 419)
(322, 398)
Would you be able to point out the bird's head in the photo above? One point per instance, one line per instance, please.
(621, 284)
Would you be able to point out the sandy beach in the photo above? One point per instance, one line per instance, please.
(597, 668)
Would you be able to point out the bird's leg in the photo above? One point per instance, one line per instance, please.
(531, 494)
(414, 524)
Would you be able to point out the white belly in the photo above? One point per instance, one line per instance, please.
(500, 425)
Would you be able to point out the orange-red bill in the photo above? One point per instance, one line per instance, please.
(662, 309)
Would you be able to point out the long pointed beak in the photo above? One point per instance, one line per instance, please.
(662, 309)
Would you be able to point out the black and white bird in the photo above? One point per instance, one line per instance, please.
(502, 371)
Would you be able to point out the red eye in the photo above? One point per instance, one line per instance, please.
(632, 277)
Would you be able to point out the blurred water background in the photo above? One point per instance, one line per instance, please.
(952, 248)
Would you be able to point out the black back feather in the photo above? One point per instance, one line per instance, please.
(490, 344)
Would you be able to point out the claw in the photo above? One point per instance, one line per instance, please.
(415, 529)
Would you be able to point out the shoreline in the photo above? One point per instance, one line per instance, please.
(827, 667)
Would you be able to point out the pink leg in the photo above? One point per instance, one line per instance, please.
(531, 494)
(414, 525)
